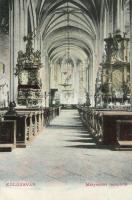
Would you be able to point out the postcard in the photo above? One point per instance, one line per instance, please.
(65, 99)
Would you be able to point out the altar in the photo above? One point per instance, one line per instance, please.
(110, 121)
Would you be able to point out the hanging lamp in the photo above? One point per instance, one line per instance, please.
(67, 52)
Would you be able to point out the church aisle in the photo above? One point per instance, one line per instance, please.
(65, 153)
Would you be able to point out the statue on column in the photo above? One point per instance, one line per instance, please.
(88, 104)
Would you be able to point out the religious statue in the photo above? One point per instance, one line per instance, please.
(87, 100)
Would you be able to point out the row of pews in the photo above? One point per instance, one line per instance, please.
(19, 130)
(108, 127)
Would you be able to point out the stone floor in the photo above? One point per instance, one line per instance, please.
(65, 154)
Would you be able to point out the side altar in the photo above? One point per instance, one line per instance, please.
(110, 121)
(113, 79)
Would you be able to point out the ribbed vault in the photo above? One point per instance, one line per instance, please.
(84, 19)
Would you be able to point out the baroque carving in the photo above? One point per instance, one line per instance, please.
(27, 70)
(113, 78)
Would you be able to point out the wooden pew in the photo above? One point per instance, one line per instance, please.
(108, 127)
(26, 124)
(7, 135)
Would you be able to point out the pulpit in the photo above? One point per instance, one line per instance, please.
(28, 72)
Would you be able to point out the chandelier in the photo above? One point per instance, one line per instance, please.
(67, 49)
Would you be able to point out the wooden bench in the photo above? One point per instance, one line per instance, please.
(7, 135)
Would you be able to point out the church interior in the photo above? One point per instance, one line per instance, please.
(65, 91)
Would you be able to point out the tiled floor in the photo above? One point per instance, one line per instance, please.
(64, 153)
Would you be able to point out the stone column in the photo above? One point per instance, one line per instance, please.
(14, 23)
(47, 78)
(111, 18)
(92, 79)
(11, 12)
(76, 83)
(131, 51)
(115, 15)
(101, 34)
(87, 76)
(120, 16)
(106, 24)
(25, 20)
(94, 65)
(23, 25)
(16, 38)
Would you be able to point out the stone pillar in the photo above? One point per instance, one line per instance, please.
(111, 18)
(14, 45)
(86, 64)
(94, 65)
(25, 20)
(16, 38)
(23, 24)
(101, 33)
(115, 15)
(88, 78)
(131, 51)
(47, 79)
(91, 80)
(106, 24)
(11, 12)
(120, 16)
(18, 29)
(52, 75)
(76, 83)
(42, 75)
(85, 75)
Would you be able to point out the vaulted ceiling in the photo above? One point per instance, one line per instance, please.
(84, 16)
(83, 27)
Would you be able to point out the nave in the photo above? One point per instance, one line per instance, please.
(56, 55)
(65, 153)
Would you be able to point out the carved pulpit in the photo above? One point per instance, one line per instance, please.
(28, 72)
